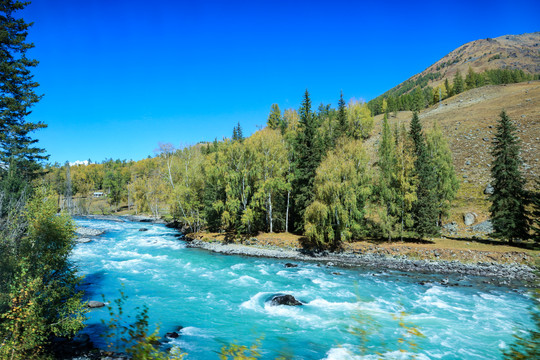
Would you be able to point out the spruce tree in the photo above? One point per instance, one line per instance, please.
(449, 90)
(17, 94)
(536, 212)
(341, 117)
(425, 212)
(274, 119)
(458, 86)
(508, 200)
(387, 187)
(308, 157)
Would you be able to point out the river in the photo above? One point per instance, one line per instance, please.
(222, 299)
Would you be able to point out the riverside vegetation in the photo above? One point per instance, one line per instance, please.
(307, 172)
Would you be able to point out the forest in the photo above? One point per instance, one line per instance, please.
(308, 172)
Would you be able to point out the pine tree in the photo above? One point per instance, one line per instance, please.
(17, 93)
(536, 212)
(341, 117)
(449, 90)
(425, 209)
(308, 157)
(458, 85)
(508, 200)
(446, 181)
(274, 119)
(387, 187)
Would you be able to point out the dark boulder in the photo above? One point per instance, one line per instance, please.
(143, 229)
(290, 265)
(288, 300)
(172, 335)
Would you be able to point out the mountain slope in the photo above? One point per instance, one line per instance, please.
(520, 52)
(468, 121)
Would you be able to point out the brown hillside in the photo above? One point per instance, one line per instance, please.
(504, 52)
(469, 120)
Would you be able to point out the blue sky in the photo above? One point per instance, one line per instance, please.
(120, 76)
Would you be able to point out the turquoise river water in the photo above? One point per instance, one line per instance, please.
(221, 299)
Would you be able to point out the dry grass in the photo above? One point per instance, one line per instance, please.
(469, 250)
(469, 120)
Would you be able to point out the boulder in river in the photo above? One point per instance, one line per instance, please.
(95, 304)
(143, 229)
(290, 265)
(172, 335)
(85, 231)
(288, 300)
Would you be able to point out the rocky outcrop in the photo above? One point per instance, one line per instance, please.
(288, 300)
(484, 226)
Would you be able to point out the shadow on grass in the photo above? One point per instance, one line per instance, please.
(517, 244)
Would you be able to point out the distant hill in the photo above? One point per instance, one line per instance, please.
(512, 52)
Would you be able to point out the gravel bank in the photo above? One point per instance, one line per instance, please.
(499, 273)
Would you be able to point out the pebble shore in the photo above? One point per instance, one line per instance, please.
(499, 273)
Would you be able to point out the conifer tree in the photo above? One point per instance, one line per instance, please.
(508, 200)
(274, 119)
(308, 157)
(388, 180)
(536, 212)
(458, 85)
(449, 90)
(425, 210)
(446, 181)
(17, 93)
(405, 178)
(341, 117)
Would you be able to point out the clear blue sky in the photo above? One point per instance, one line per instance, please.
(119, 76)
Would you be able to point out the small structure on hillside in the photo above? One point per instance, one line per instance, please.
(98, 194)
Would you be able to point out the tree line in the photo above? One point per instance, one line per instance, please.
(307, 172)
(416, 95)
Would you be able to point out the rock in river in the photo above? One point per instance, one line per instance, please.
(288, 300)
(95, 304)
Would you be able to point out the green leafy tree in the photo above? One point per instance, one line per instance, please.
(271, 165)
(342, 187)
(42, 299)
(307, 158)
(458, 85)
(274, 119)
(446, 182)
(425, 208)
(360, 121)
(17, 93)
(508, 201)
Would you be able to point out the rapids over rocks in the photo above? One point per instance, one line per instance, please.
(222, 299)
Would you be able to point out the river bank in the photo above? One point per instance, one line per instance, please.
(494, 272)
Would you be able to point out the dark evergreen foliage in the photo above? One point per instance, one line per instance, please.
(341, 117)
(425, 213)
(17, 94)
(308, 157)
(508, 200)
